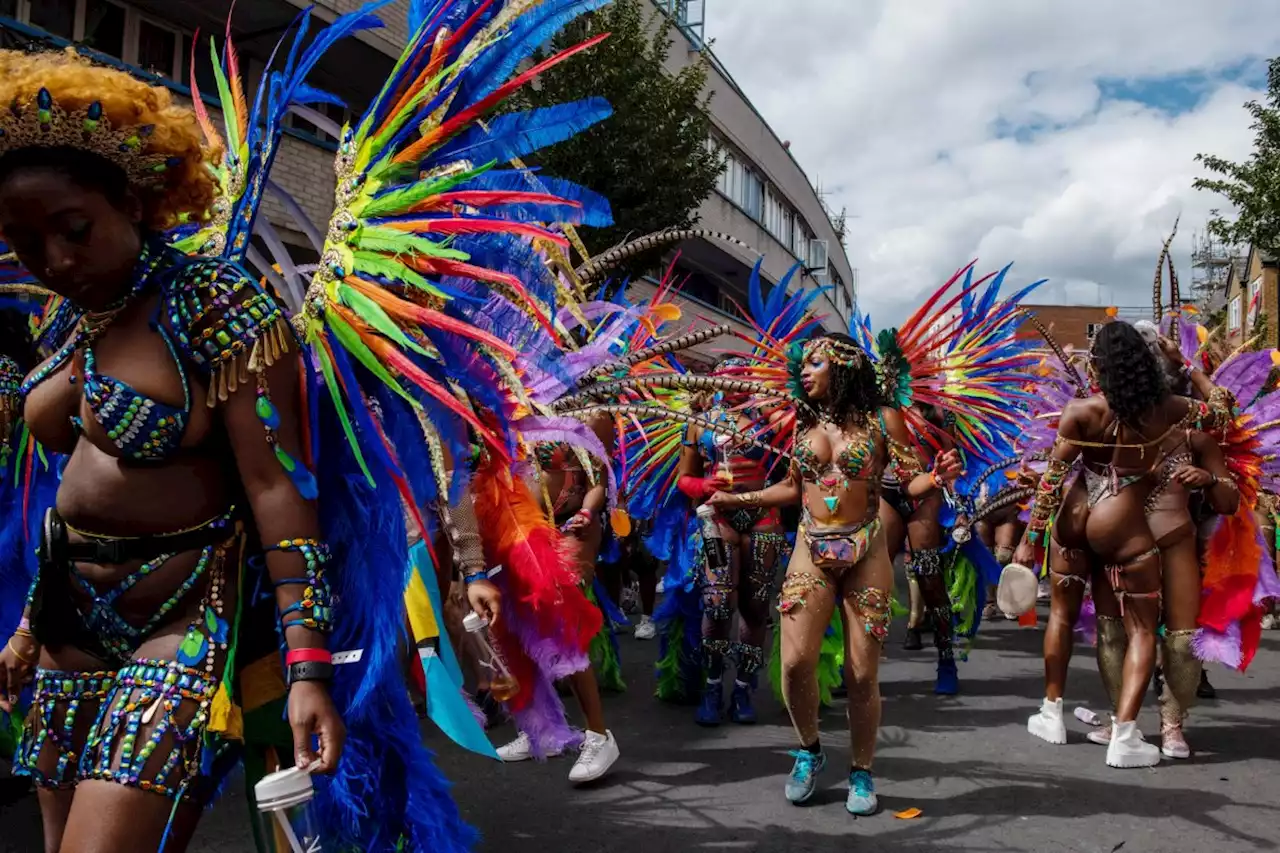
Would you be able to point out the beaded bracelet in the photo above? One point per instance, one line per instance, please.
(316, 596)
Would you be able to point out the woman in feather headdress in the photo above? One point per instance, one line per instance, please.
(1134, 440)
(711, 463)
(846, 442)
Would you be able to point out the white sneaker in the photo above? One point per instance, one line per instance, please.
(1270, 622)
(646, 630)
(1048, 725)
(1128, 749)
(599, 753)
(521, 749)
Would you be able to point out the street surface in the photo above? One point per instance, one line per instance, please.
(981, 782)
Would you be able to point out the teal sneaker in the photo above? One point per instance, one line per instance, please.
(862, 794)
(804, 775)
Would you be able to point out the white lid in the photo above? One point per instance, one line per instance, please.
(283, 788)
(705, 510)
(473, 622)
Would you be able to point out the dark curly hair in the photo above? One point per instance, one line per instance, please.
(854, 391)
(1127, 372)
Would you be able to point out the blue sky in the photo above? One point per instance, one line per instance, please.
(1060, 136)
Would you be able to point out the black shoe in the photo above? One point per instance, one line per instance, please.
(1205, 690)
(912, 641)
(494, 714)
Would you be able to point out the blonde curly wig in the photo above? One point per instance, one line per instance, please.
(186, 188)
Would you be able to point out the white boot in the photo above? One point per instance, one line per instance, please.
(1048, 725)
(1128, 749)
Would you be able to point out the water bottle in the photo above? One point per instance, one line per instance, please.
(714, 548)
(502, 684)
(285, 813)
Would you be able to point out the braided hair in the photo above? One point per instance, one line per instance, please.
(1127, 373)
(854, 392)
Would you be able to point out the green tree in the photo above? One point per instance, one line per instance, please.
(652, 159)
(1252, 187)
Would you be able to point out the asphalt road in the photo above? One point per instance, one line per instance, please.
(981, 782)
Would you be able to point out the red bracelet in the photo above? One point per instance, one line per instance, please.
(308, 656)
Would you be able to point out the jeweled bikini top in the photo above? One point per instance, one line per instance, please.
(209, 314)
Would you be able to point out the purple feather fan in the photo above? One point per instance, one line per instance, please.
(543, 720)
(554, 659)
(1268, 586)
(1226, 648)
(1087, 624)
(574, 433)
(1244, 375)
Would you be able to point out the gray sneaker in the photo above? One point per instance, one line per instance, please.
(803, 780)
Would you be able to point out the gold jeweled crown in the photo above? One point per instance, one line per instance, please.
(41, 123)
(838, 352)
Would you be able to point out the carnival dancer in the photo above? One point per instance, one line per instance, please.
(847, 441)
(916, 525)
(984, 331)
(574, 495)
(1124, 437)
(712, 463)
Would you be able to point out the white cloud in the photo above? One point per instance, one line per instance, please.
(954, 130)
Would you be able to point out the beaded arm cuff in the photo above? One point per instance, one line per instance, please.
(903, 460)
(1222, 411)
(1048, 499)
(225, 324)
(314, 608)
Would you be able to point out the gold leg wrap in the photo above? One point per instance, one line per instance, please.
(1181, 676)
(917, 602)
(1113, 644)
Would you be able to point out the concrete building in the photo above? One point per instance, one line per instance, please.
(1253, 300)
(764, 199)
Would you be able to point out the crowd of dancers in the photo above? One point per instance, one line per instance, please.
(240, 491)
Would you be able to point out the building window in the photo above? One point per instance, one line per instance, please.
(338, 115)
(55, 16)
(109, 27)
(817, 257)
(742, 186)
(103, 28)
(1255, 300)
(1233, 315)
(1091, 330)
(159, 49)
(800, 240)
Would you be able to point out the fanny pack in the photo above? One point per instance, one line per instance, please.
(839, 549)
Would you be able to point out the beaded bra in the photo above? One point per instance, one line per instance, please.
(213, 315)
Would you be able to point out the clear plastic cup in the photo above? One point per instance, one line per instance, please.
(286, 814)
(502, 684)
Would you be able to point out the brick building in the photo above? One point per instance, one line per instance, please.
(1253, 300)
(1072, 325)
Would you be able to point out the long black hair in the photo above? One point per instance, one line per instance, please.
(1127, 372)
(853, 391)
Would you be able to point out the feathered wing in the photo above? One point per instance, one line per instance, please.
(969, 365)
(1239, 579)
(398, 362)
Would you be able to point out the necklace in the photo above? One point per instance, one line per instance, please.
(93, 324)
